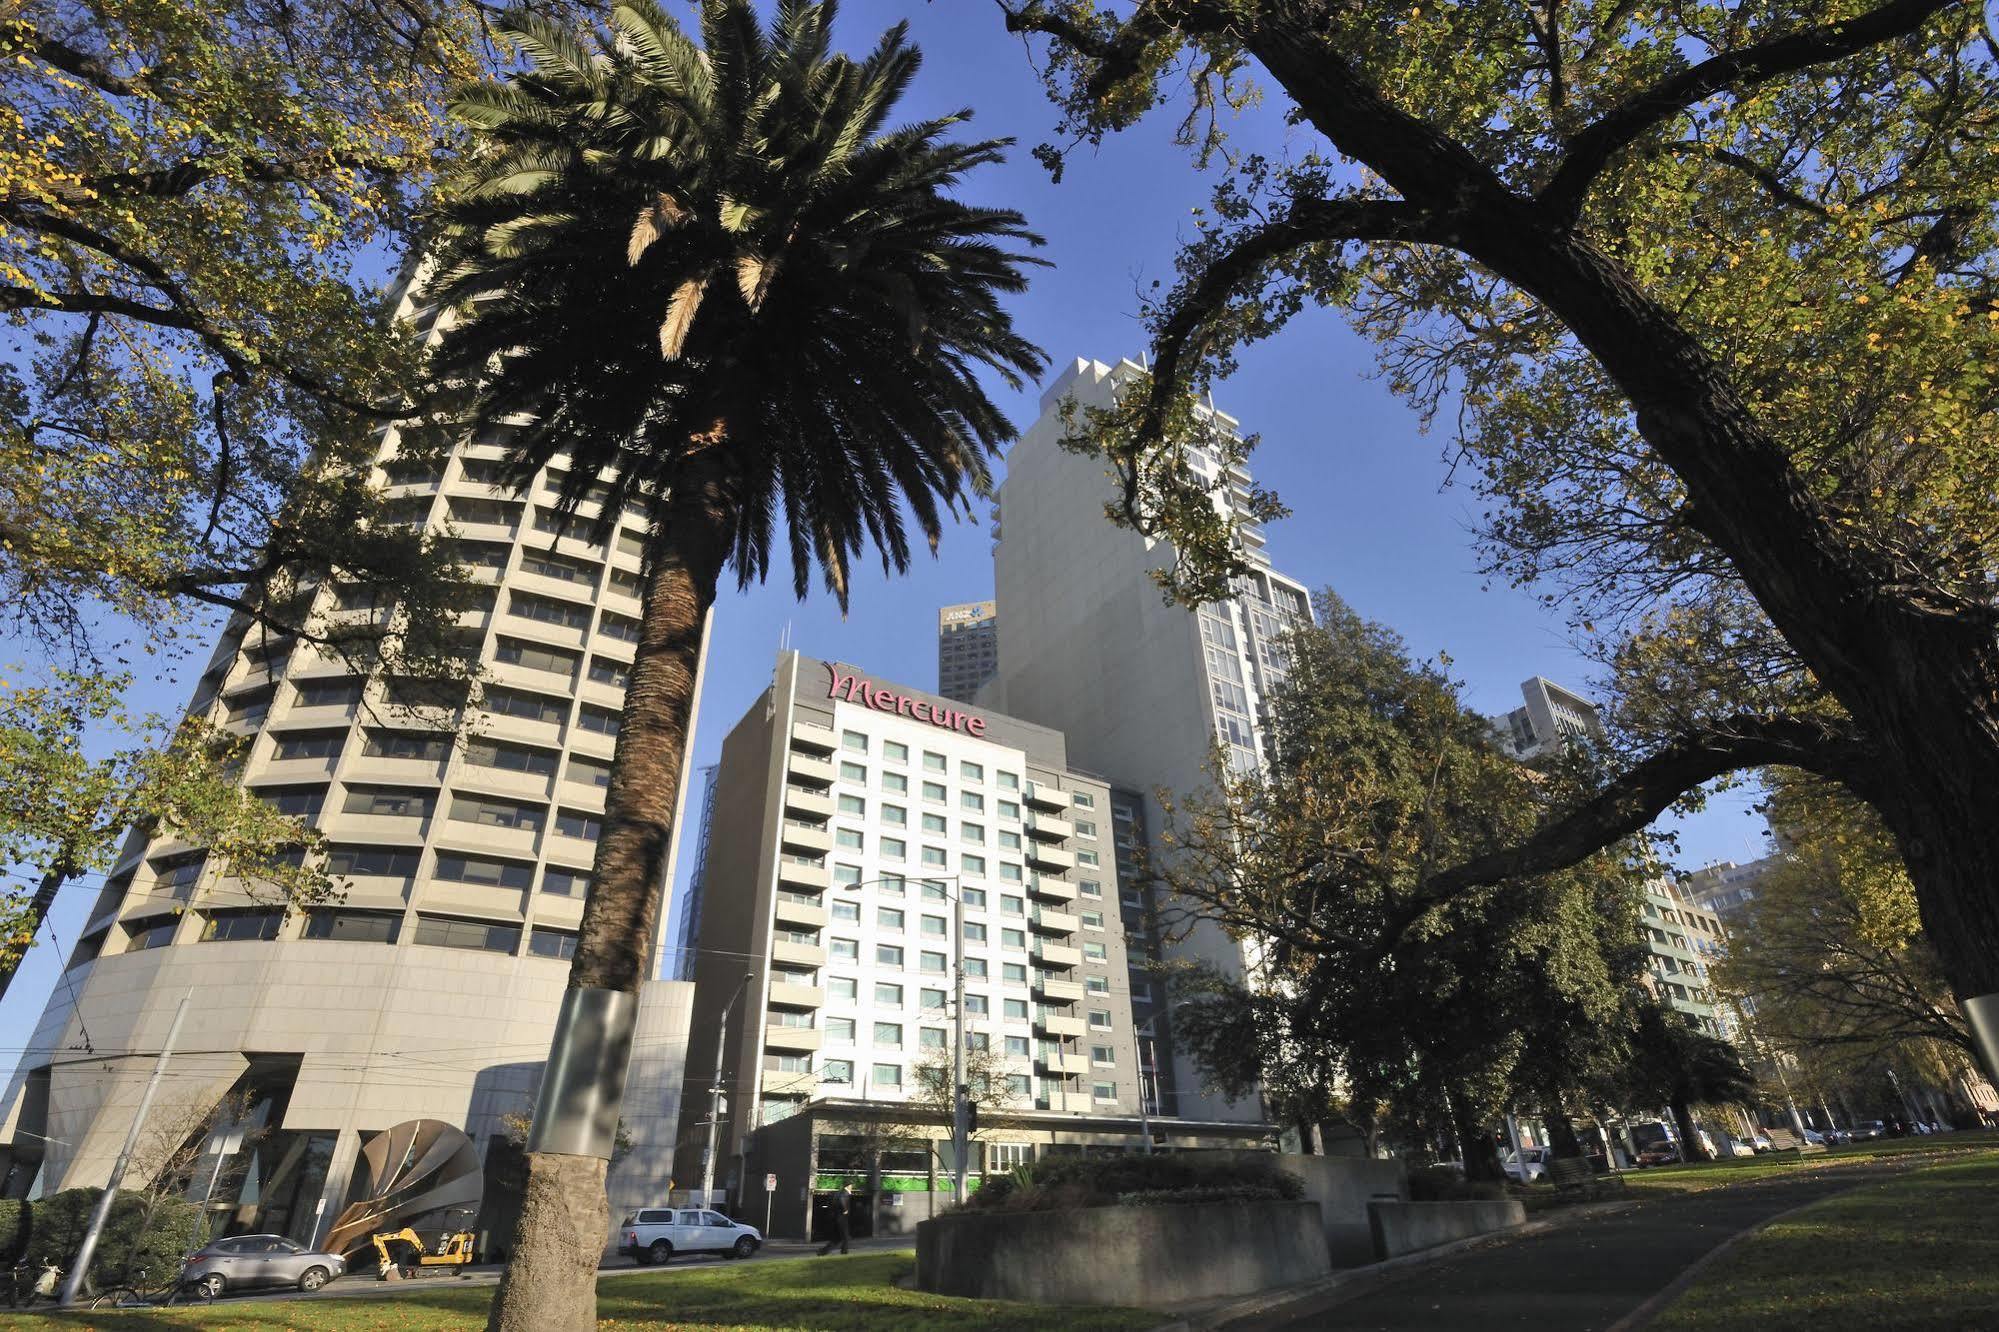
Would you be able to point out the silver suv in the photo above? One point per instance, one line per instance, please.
(245, 1262)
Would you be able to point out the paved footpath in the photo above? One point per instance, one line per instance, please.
(1586, 1275)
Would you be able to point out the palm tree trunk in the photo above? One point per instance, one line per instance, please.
(550, 1284)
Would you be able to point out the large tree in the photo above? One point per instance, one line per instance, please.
(1711, 288)
(1377, 774)
(715, 278)
(1677, 1065)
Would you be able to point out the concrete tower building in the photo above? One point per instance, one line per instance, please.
(1142, 690)
(1550, 717)
(431, 989)
(967, 649)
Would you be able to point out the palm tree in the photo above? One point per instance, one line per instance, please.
(1677, 1065)
(714, 278)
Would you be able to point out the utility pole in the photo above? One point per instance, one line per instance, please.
(74, 1281)
(1144, 1035)
(715, 1096)
(959, 1144)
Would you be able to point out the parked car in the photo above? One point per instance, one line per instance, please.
(1761, 1141)
(1741, 1147)
(251, 1262)
(1814, 1138)
(656, 1234)
(1867, 1130)
(1528, 1165)
(1658, 1154)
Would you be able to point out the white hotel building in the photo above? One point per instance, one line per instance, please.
(854, 821)
(431, 990)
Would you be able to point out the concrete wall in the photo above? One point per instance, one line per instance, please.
(1342, 1186)
(1150, 1257)
(1404, 1227)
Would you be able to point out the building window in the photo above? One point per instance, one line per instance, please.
(895, 751)
(1013, 973)
(933, 891)
(888, 955)
(895, 783)
(971, 772)
(793, 1063)
(497, 813)
(1103, 1091)
(444, 932)
(853, 772)
(1014, 1010)
(1086, 858)
(480, 870)
(838, 1071)
(930, 1038)
(975, 966)
(1013, 939)
(1097, 984)
(1093, 951)
(843, 987)
(535, 657)
(934, 762)
(1100, 1019)
(1103, 1056)
(373, 861)
(840, 1029)
(1089, 888)
(853, 804)
(1084, 800)
(891, 885)
(972, 801)
(849, 838)
(299, 802)
(935, 823)
(934, 925)
(895, 816)
(845, 950)
(340, 693)
(141, 935)
(1010, 811)
(311, 745)
(588, 772)
(1020, 1088)
(1093, 920)
(389, 802)
(974, 865)
(552, 943)
(603, 721)
(889, 1034)
(510, 758)
(226, 925)
(1009, 841)
(972, 832)
(1007, 781)
(854, 742)
(1009, 873)
(975, 932)
(1013, 906)
(978, 1040)
(889, 918)
(930, 1001)
(353, 926)
(888, 1075)
(931, 963)
(524, 705)
(605, 671)
(846, 875)
(934, 855)
(841, 910)
(977, 1003)
(559, 882)
(935, 793)
(1085, 828)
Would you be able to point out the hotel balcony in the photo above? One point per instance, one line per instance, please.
(1047, 798)
(811, 838)
(795, 874)
(1049, 828)
(778, 1036)
(1066, 1065)
(1051, 1025)
(804, 804)
(807, 737)
(1057, 991)
(1057, 955)
(1042, 856)
(1051, 888)
(787, 995)
(812, 771)
(804, 915)
(794, 954)
(1055, 922)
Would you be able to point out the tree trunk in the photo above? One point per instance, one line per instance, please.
(1562, 1133)
(1481, 1154)
(1690, 1138)
(550, 1284)
(1918, 675)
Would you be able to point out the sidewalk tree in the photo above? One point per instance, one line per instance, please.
(711, 276)
(1711, 290)
(1675, 1064)
(1378, 772)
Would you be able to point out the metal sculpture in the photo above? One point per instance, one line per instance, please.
(417, 1167)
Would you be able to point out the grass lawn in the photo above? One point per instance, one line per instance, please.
(1740, 1170)
(851, 1294)
(1920, 1251)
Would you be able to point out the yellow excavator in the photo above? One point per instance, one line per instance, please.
(403, 1251)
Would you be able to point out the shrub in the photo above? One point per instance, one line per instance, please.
(132, 1241)
(1446, 1184)
(1058, 1182)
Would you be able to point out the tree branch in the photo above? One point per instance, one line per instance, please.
(1591, 150)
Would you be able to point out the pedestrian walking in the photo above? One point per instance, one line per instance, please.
(843, 1205)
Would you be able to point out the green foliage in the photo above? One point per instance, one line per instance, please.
(717, 261)
(1378, 1001)
(1448, 1184)
(140, 1235)
(1055, 1183)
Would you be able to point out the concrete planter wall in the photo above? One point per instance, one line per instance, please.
(1342, 1186)
(1404, 1227)
(1143, 1256)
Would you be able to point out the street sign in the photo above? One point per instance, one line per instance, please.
(770, 1183)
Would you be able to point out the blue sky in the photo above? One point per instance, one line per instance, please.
(1371, 516)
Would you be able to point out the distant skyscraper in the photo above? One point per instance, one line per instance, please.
(967, 648)
(1726, 888)
(1143, 690)
(1552, 716)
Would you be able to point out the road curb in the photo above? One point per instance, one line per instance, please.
(1358, 1280)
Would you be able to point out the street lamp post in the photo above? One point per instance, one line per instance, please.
(715, 1096)
(960, 1120)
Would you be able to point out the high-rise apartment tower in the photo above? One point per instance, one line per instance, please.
(967, 648)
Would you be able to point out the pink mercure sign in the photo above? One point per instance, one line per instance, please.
(854, 689)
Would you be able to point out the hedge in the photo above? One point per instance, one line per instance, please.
(1057, 1182)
